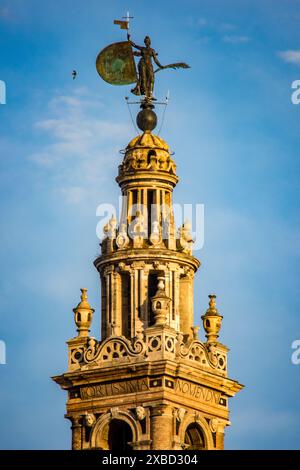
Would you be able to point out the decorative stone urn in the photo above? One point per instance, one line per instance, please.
(160, 303)
(212, 320)
(83, 315)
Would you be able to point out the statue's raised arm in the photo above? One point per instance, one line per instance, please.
(136, 46)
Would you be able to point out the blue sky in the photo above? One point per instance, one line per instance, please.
(234, 130)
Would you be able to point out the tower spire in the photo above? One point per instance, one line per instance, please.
(149, 382)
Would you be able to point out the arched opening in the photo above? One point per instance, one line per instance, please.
(126, 304)
(151, 153)
(119, 436)
(194, 437)
(151, 210)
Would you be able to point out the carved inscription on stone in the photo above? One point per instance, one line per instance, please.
(118, 388)
(196, 391)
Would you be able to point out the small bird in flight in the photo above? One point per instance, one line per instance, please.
(74, 74)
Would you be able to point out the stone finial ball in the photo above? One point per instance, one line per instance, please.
(146, 119)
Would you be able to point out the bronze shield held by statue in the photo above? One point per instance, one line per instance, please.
(115, 64)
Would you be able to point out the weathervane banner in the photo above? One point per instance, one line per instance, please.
(115, 64)
(122, 24)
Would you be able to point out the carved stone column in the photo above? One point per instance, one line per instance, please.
(108, 304)
(168, 289)
(132, 303)
(76, 432)
(176, 298)
(220, 435)
(129, 207)
(116, 304)
(137, 268)
(144, 295)
(161, 427)
(186, 302)
(172, 230)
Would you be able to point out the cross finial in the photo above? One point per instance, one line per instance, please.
(127, 18)
(124, 24)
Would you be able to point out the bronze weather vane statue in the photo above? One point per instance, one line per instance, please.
(145, 82)
(115, 64)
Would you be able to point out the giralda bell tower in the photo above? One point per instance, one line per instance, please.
(149, 382)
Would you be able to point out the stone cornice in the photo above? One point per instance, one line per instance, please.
(148, 255)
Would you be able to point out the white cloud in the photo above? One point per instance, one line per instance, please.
(225, 27)
(290, 56)
(235, 39)
(77, 145)
(224, 31)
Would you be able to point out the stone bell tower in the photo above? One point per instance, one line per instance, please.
(150, 382)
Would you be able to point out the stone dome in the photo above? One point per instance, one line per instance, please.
(148, 140)
(148, 154)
